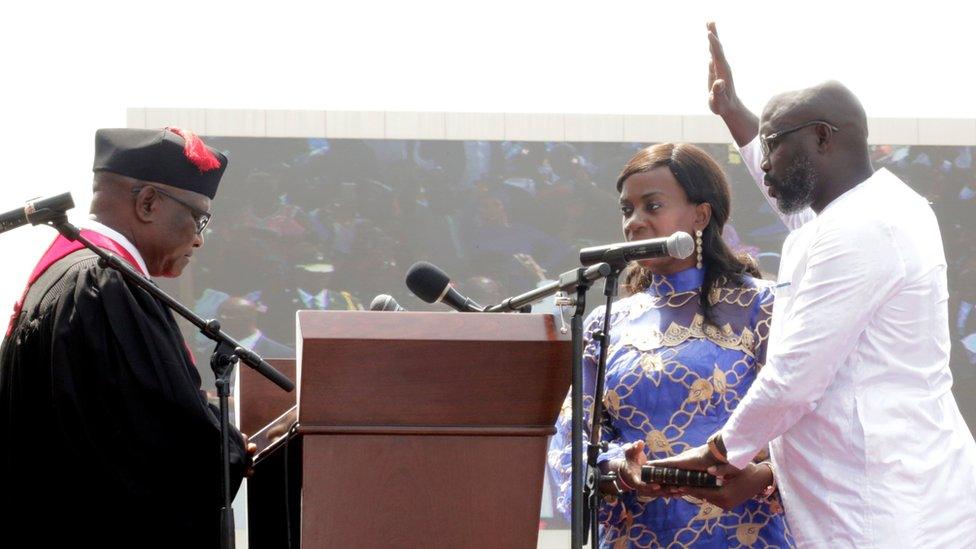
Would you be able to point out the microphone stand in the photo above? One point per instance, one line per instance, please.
(577, 502)
(582, 502)
(593, 475)
(585, 490)
(226, 354)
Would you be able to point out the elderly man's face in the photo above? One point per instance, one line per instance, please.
(172, 238)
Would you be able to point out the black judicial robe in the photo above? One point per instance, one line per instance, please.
(106, 439)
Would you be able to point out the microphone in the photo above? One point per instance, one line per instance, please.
(430, 284)
(384, 302)
(671, 476)
(36, 211)
(679, 245)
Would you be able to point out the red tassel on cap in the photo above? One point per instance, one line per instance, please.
(196, 150)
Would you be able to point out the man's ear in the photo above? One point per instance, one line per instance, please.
(146, 204)
(825, 137)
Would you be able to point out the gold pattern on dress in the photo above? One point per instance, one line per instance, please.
(747, 533)
(661, 361)
(748, 340)
(661, 285)
(566, 412)
(742, 296)
(611, 401)
(641, 303)
(684, 415)
(714, 295)
(676, 300)
(648, 341)
(651, 362)
(624, 541)
(658, 442)
(701, 390)
(728, 339)
(676, 334)
(708, 511)
(719, 380)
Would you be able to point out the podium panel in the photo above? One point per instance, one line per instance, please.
(423, 490)
(413, 430)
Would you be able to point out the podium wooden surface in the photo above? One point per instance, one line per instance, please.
(261, 400)
(413, 430)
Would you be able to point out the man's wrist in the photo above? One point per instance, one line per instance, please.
(741, 122)
(770, 488)
(716, 448)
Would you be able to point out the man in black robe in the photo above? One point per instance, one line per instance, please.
(106, 439)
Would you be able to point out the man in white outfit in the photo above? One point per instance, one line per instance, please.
(855, 399)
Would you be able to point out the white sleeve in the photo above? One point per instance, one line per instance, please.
(852, 269)
(751, 154)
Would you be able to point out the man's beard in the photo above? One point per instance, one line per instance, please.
(795, 191)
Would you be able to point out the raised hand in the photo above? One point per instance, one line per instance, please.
(722, 97)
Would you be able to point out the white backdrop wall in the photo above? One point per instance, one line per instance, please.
(71, 67)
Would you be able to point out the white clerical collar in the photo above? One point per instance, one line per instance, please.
(93, 225)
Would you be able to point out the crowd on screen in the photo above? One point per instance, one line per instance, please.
(329, 224)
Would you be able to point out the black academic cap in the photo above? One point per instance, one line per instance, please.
(170, 156)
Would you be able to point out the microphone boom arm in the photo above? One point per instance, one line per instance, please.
(566, 282)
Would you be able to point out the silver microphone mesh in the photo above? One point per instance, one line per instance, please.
(681, 245)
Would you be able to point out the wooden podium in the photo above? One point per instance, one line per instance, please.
(411, 430)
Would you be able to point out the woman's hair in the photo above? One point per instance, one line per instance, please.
(703, 181)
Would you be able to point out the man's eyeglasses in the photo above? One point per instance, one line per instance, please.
(765, 141)
(200, 217)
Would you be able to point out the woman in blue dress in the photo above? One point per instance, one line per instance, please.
(684, 348)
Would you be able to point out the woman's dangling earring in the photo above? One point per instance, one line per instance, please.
(698, 247)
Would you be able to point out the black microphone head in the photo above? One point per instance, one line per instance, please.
(384, 302)
(43, 210)
(60, 202)
(426, 281)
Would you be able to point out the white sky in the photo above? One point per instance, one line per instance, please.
(71, 67)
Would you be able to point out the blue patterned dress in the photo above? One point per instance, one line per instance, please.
(672, 381)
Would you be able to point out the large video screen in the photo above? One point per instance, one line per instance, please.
(331, 223)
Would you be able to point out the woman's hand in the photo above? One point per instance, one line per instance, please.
(738, 485)
(629, 473)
